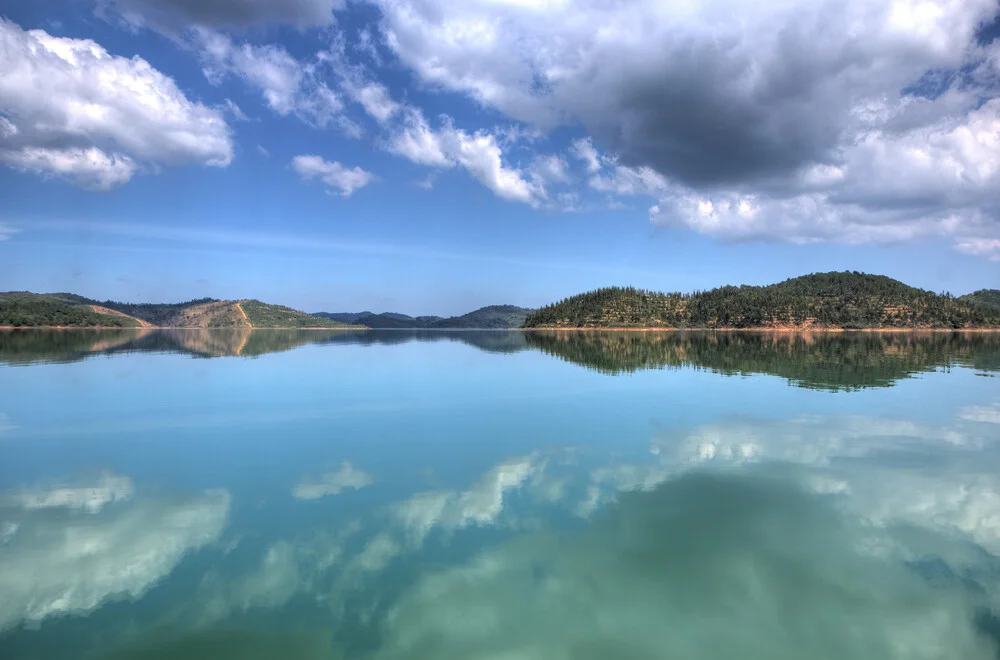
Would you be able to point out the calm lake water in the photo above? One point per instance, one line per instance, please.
(499, 495)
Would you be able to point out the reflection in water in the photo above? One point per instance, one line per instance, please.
(68, 557)
(703, 566)
(31, 346)
(228, 644)
(847, 360)
(834, 361)
(837, 531)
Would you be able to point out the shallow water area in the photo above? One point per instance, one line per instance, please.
(486, 495)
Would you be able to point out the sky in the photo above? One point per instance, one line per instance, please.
(435, 156)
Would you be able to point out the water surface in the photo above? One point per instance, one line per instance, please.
(498, 495)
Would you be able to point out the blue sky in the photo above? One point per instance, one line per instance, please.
(434, 156)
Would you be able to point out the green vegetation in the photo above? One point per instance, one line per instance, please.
(161, 314)
(23, 309)
(830, 361)
(262, 315)
(824, 300)
(988, 299)
(493, 317)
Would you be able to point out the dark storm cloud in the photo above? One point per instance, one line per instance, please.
(176, 15)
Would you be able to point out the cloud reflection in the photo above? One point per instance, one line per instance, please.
(331, 483)
(63, 554)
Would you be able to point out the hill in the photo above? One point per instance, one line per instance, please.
(848, 300)
(493, 317)
(23, 309)
(985, 298)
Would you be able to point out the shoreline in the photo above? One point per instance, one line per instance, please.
(165, 327)
(785, 330)
(789, 330)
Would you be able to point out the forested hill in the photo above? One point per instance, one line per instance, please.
(22, 309)
(989, 298)
(848, 300)
(491, 317)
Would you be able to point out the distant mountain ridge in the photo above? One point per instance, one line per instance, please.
(24, 309)
(836, 300)
(492, 317)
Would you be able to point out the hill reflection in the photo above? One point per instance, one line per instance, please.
(831, 361)
(814, 360)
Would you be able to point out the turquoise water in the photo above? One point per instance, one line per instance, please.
(498, 495)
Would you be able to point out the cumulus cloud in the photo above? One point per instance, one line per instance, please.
(478, 153)
(337, 177)
(801, 121)
(69, 108)
(61, 561)
(584, 150)
(374, 98)
(331, 483)
(174, 16)
(288, 86)
(549, 170)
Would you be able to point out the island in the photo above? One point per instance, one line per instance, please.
(820, 301)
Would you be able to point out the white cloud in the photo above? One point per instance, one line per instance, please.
(426, 183)
(5, 423)
(64, 561)
(798, 121)
(171, 16)
(549, 170)
(980, 247)
(414, 140)
(331, 483)
(289, 87)
(72, 109)
(342, 179)
(584, 150)
(90, 168)
(374, 98)
(235, 110)
(478, 153)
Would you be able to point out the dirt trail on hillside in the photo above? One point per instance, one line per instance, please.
(239, 308)
(110, 312)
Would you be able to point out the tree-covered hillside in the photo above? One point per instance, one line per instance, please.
(262, 315)
(160, 314)
(986, 298)
(822, 300)
(23, 309)
(493, 317)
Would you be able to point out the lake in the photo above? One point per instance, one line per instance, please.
(495, 495)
